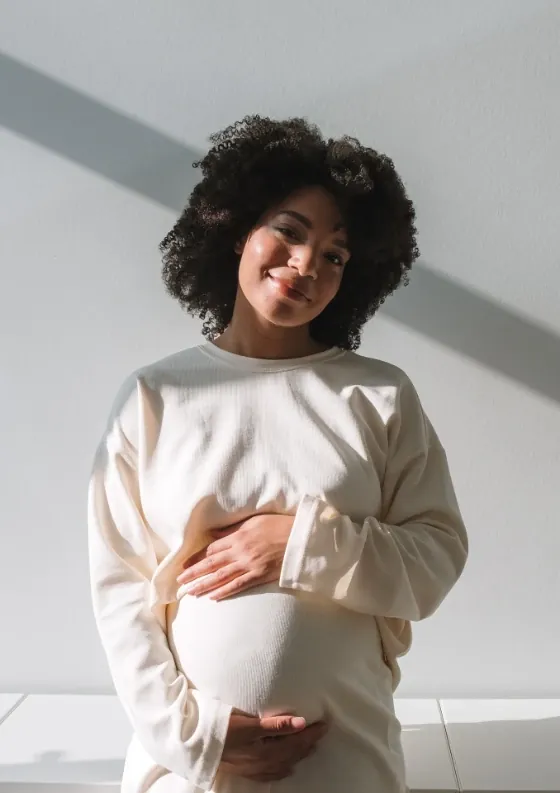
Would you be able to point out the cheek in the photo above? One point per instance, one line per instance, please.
(260, 253)
(330, 286)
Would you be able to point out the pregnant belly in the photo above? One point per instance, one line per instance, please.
(270, 651)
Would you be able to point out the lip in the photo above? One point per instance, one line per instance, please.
(286, 289)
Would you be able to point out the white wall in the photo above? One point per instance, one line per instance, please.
(95, 147)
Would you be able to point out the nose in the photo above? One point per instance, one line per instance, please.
(304, 260)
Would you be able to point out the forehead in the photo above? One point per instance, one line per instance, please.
(315, 203)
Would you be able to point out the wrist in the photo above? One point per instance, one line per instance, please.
(285, 529)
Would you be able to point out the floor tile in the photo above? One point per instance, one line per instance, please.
(428, 762)
(505, 745)
(66, 740)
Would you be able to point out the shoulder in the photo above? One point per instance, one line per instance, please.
(148, 384)
(374, 373)
(173, 369)
(385, 386)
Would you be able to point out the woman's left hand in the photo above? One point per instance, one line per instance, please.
(243, 556)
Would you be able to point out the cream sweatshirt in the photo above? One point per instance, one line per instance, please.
(205, 438)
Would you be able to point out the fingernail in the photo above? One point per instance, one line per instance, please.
(298, 722)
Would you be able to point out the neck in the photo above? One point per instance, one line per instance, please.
(253, 337)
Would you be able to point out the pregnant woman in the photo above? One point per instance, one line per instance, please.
(269, 510)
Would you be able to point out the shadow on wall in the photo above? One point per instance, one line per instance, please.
(148, 162)
(484, 753)
(82, 130)
(479, 328)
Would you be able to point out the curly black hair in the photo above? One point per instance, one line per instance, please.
(254, 165)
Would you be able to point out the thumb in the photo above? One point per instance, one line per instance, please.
(281, 725)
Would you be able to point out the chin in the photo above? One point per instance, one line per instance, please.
(282, 320)
(284, 314)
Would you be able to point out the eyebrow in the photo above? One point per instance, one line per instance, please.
(304, 220)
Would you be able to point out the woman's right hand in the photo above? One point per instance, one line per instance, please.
(267, 749)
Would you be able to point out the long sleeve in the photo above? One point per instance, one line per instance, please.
(181, 729)
(403, 565)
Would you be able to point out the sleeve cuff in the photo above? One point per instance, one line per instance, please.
(217, 722)
(295, 564)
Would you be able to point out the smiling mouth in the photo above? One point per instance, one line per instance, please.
(288, 291)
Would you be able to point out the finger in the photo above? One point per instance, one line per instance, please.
(243, 734)
(284, 751)
(209, 550)
(301, 744)
(298, 753)
(207, 565)
(222, 541)
(213, 581)
(239, 584)
(280, 725)
(309, 745)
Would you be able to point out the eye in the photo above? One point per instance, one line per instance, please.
(287, 232)
(335, 259)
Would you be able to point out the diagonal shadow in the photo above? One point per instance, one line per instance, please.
(148, 162)
(480, 329)
(91, 134)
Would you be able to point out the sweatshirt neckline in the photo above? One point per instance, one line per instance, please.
(267, 364)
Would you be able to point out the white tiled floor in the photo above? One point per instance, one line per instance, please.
(64, 741)
(76, 744)
(428, 761)
(505, 745)
(7, 704)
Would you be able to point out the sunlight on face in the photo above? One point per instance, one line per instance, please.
(292, 263)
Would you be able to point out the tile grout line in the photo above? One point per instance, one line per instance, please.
(14, 707)
(449, 749)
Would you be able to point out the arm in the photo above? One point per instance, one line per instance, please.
(404, 565)
(181, 729)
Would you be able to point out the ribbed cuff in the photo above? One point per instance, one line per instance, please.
(291, 574)
(217, 716)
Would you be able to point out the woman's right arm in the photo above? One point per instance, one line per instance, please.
(181, 729)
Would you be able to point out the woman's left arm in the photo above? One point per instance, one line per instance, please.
(403, 565)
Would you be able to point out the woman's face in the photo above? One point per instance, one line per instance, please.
(292, 263)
